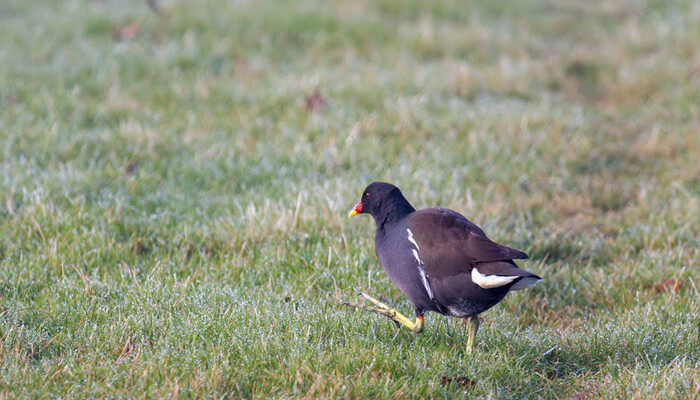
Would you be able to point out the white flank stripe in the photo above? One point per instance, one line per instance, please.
(424, 278)
(421, 268)
(491, 281)
(415, 254)
(411, 239)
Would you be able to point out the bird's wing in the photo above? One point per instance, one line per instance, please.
(450, 244)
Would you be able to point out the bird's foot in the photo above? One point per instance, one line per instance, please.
(385, 310)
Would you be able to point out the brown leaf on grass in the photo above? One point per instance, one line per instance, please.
(667, 285)
(314, 101)
(243, 69)
(463, 381)
(130, 168)
(126, 349)
(11, 99)
(126, 32)
(154, 5)
(139, 247)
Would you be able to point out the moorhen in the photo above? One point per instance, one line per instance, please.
(439, 259)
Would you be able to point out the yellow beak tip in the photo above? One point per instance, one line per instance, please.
(352, 213)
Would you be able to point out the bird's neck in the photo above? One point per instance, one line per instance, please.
(392, 211)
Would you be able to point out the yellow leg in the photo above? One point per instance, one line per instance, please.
(473, 324)
(390, 313)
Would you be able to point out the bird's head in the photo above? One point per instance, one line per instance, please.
(377, 199)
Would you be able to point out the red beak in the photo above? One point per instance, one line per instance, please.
(356, 210)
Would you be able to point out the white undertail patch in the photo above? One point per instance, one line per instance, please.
(491, 281)
(421, 267)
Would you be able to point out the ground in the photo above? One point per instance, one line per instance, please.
(175, 182)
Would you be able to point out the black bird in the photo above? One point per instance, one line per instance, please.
(439, 259)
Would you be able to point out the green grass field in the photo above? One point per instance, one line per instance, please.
(174, 190)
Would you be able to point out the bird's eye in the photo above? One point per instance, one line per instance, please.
(367, 195)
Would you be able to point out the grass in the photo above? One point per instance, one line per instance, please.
(173, 195)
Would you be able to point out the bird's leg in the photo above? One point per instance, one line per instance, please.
(390, 313)
(396, 316)
(473, 324)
